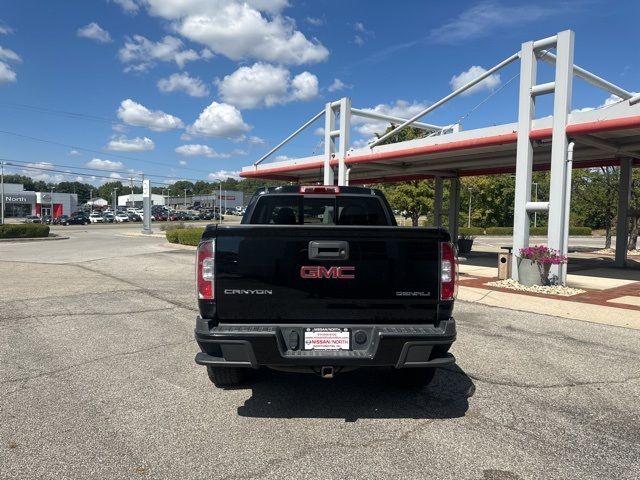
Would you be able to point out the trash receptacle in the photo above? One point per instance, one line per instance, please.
(504, 266)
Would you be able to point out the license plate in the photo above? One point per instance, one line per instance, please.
(324, 338)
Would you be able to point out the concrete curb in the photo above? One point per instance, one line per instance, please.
(35, 239)
(584, 312)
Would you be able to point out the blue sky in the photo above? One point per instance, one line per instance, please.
(199, 88)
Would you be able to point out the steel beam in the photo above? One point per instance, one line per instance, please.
(607, 146)
(345, 126)
(379, 116)
(524, 153)
(437, 202)
(444, 100)
(289, 138)
(589, 77)
(624, 200)
(558, 207)
(329, 142)
(454, 207)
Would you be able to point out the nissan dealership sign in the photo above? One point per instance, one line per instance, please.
(19, 198)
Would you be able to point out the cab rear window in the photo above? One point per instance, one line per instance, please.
(325, 209)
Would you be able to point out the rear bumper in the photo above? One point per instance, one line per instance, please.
(400, 346)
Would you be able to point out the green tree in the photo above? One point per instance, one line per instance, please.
(595, 198)
(413, 198)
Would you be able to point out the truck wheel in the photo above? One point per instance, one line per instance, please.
(414, 377)
(226, 376)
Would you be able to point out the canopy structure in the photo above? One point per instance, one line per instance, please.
(565, 140)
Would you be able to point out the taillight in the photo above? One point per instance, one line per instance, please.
(205, 269)
(330, 189)
(448, 272)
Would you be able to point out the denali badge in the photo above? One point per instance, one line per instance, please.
(413, 294)
(230, 291)
(342, 273)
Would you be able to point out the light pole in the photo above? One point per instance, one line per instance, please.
(115, 205)
(91, 199)
(220, 199)
(2, 192)
(51, 213)
(469, 220)
(185, 198)
(535, 214)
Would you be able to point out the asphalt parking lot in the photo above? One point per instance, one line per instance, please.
(97, 380)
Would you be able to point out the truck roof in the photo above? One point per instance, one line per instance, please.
(289, 189)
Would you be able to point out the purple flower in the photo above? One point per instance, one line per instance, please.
(543, 255)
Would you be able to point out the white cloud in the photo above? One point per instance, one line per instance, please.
(182, 162)
(133, 113)
(610, 100)
(400, 108)
(485, 17)
(74, 153)
(319, 132)
(361, 34)
(38, 172)
(129, 6)
(219, 120)
(305, 86)
(192, 86)
(5, 29)
(253, 140)
(124, 144)
(266, 85)
(239, 30)
(93, 31)
(99, 164)
(224, 174)
(7, 74)
(9, 55)
(198, 150)
(316, 22)
(140, 53)
(338, 85)
(489, 83)
(115, 176)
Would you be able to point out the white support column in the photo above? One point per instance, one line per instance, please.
(524, 153)
(558, 205)
(329, 143)
(624, 199)
(454, 207)
(345, 126)
(437, 203)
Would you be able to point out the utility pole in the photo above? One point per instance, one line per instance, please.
(469, 220)
(51, 213)
(2, 192)
(185, 198)
(131, 195)
(91, 199)
(220, 199)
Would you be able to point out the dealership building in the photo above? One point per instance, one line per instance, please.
(20, 203)
(228, 199)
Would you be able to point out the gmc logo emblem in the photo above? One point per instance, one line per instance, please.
(342, 273)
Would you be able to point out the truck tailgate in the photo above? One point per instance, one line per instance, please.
(275, 274)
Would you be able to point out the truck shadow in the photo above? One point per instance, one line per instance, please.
(364, 393)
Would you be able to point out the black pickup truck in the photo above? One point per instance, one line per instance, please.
(321, 279)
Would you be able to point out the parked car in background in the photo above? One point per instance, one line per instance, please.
(108, 217)
(96, 218)
(61, 220)
(121, 217)
(45, 219)
(134, 217)
(79, 218)
(32, 219)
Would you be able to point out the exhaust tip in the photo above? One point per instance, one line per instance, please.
(326, 372)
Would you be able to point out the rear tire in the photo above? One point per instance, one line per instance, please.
(414, 377)
(226, 376)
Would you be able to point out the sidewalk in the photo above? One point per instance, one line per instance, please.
(612, 296)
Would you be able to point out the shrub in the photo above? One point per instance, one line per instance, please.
(580, 231)
(499, 231)
(172, 235)
(190, 236)
(469, 231)
(26, 230)
(165, 227)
